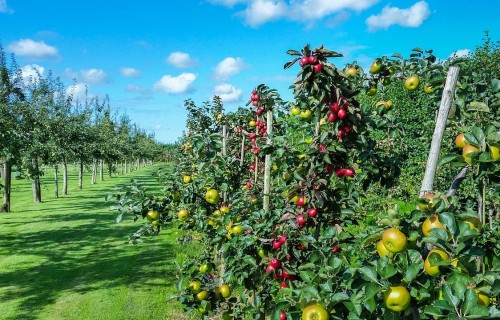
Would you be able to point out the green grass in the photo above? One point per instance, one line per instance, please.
(67, 259)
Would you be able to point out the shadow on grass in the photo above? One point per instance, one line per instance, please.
(80, 249)
(79, 259)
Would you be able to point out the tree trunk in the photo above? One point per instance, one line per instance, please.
(65, 177)
(126, 167)
(56, 182)
(35, 182)
(110, 169)
(138, 163)
(7, 175)
(123, 167)
(94, 171)
(101, 169)
(80, 175)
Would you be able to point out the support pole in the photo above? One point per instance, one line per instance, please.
(437, 137)
(267, 164)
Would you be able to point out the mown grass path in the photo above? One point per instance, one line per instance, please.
(67, 259)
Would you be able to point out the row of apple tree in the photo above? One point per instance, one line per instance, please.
(316, 251)
(42, 123)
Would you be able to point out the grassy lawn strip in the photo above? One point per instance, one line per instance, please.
(67, 259)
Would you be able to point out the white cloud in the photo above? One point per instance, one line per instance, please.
(413, 17)
(258, 12)
(460, 53)
(180, 60)
(158, 127)
(130, 73)
(32, 72)
(179, 84)
(33, 49)
(227, 92)
(228, 67)
(4, 8)
(94, 76)
(78, 92)
(310, 10)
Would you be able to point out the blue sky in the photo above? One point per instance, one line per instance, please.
(151, 56)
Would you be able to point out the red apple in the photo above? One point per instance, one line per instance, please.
(334, 107)
(283, 285)
(332, 117)
(275, 263)
(301, 201)
(318, 68)
(269, 269)
(304, 61)
(342, 114)
(313, 59)
(349, 172)
(312, 212)
(301, 221)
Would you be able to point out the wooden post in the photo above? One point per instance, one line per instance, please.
(242, 154)
(437, 137)
(267, 164)
(56, 181)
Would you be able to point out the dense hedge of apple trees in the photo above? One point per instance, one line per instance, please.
(40, 124)
(290, 200)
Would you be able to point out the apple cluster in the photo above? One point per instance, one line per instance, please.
(338, 112)
(313, 61)
(255, 98)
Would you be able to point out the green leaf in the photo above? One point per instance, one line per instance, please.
(479, 135)
(339, 296)
(412, 272)
(449, 158)
(470, 300)
(478, 106)
(371, 290)
(369, 274)
(448, 219)
(433, 311)
(385, 268)
(480, 312)
(293, 52)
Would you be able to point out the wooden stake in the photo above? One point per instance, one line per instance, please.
(437, 137)
(267, 165)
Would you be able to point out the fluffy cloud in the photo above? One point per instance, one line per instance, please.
(261, 11)
(179, 84)
(94, 76)
(32, 72)
(32, 49)
(228, 67)
(78, 91)
(130, 73)
(413, 17)
(227, 92)
(258, 12)
(180, 60)
(4, 8)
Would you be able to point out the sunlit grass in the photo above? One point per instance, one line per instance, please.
(66, 258)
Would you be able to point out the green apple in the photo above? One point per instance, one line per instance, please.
(411, 83)
(306, 114)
